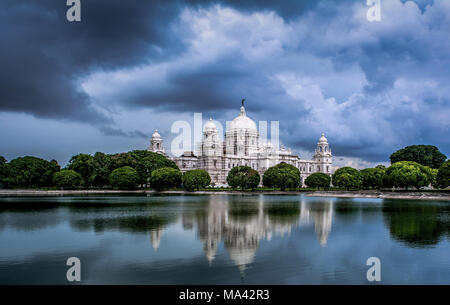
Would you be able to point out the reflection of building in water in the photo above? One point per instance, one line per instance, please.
(155, 238)
(187, 222)
(242, 230)
(322, 214)
(323, 221)
(210, 227)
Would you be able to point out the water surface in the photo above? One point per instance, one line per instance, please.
(223, 239)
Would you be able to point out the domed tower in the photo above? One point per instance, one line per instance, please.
(156, 143)
(322, 156)
(242, 136)
(211, 143)
(211, 152)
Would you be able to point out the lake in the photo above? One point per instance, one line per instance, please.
(223, 239)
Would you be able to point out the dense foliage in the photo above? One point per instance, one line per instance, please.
(427, 155)
(165, 178)
(419, 168)
(282, 176)
(124, 178)
(372, 178)
(67, 179)
(146, 162)
(4, 172)
(409, 174)
(318, 180)
(82, 164)
(31, 172)
(96, 169)
(348, 178)
(100, 170)
(443, 176)
(196, 179)
(243, 177)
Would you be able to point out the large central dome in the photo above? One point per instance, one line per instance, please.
(243, 122)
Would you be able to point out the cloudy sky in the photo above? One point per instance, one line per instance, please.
(105, 83)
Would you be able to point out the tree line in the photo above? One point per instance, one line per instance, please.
(422, 166)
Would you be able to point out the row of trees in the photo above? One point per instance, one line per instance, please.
(402, 174)
(123, 170)
(413, 166)
(143, 168)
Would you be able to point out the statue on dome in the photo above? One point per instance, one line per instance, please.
(242, 102)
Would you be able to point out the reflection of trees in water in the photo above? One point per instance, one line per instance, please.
(134, 216)
(132, 224)
(28, 215)
(347, 210)
(322, 213)
(241, 226)
(418, 224)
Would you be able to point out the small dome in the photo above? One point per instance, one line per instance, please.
(243, 122)
(323, 139)
(156, 134)
(210, 126)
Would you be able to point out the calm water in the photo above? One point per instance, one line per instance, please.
(223, 239)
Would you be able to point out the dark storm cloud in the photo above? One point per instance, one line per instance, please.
(317, 66)
(41, 52)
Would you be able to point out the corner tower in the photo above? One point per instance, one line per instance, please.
(156, 143)
(323, 156)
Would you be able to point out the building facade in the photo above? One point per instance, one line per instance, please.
(242, 146)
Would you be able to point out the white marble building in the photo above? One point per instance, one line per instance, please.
(243, 146)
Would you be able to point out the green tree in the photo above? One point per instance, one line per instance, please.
(427, 155)
(101, 169)
(124, 178)
(443, 176)
(318, 180)
(67, 179)
(432, 175)
(196, 179)
(243, 177)
(352, 178)
(147, 162)
(30, 172)
(4, 172)
(407, 174)
(372, 178)
(282, 176)
(165, 178)
(121, 160)
(82, 164)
